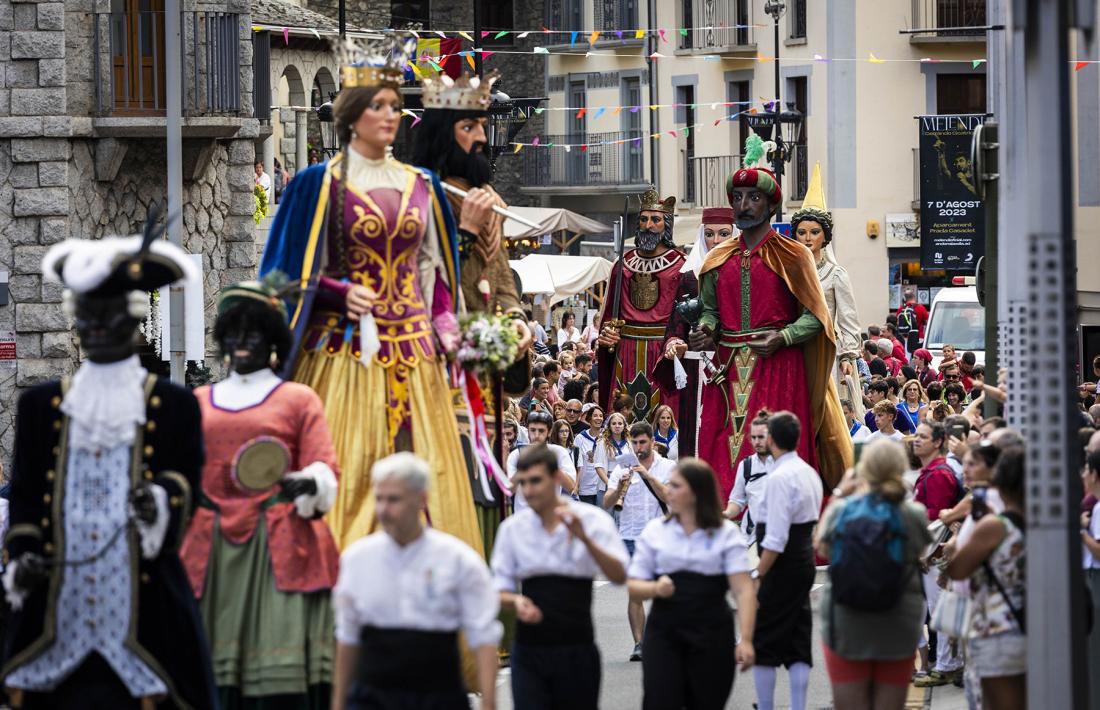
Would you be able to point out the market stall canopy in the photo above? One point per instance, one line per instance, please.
(560, 276)
(550, 220)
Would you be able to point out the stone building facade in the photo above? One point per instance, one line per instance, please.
(83, 154)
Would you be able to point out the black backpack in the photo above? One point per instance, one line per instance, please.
(907, 321)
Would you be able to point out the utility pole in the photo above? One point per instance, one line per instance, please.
(776, 9)
(174, 136)
(1044, 395)
(342, 18)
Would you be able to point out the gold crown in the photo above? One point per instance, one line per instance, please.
(652, 201)
(371, 62)
(467, 93)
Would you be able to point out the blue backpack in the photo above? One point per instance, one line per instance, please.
(867, 566)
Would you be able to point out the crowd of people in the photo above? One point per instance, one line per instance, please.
(316, 529)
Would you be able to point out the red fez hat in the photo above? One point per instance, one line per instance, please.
(717, 215)
(760, 178)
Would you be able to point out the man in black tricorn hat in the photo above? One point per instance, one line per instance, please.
(106, 470)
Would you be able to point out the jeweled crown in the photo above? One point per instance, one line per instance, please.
(467, 93)
(651, 200)
(371, 62)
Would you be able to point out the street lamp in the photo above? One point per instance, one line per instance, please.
(329, 143)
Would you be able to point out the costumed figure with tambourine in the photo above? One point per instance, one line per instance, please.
(372, 244)
(641, 331)
(451, 140)
(261, 561)
(104, 479)
(812, 225)
(764, 315)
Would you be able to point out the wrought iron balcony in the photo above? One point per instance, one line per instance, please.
(604, 163)
(129, 63)
(721, 26)
(951, 20)
(707, 184)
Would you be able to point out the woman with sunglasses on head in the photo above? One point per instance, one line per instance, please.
(687, 562)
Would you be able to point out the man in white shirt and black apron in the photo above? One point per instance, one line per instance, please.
(402, 597)
(544, 561)
(792, 504)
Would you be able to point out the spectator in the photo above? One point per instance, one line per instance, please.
(540, 397)
(899, 350)
(573, 408)
(967, 365)
(988, 426)
(510, 431)
(955, 396)
(957, 429)
(750, 479)
(565, 362)
(584, 363)
(919, 312)
(1090, 539)
(612, 445)
(907, 373)
(994, 560)
(856, 429)
(885, 351)
(550, 372)
(879, 391)
(591, 334)
(539, 426)
(568, 332)
(894, 383)
(263, 180)
(885, 412)
(912, 404)
(935, 391)
(937, 411)
(936, 489)
(593, 482)
(624, 404)
(562, 435)
(869, 654)
(279, 179)
(878, 369)
(575, 388)
(537, 331)
(1094, 415)
(557, 410)
(665, 432)
(922, 363)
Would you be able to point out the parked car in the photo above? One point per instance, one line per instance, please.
(956, 318)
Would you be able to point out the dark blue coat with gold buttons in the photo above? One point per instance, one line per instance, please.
(166, 629)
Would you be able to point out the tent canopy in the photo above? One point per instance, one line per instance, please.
(550, 220)
(560, 276)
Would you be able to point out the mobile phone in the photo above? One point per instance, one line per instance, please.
(978, 505)
(959, 431)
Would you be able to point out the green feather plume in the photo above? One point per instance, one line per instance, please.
(754, 150)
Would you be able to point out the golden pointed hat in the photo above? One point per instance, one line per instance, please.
(813, 205)
(467, 93)
(375, 62)
(651, 201)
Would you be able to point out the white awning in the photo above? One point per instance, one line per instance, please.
(550, 220)
(560, 276)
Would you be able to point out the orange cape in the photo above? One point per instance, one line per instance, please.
(795, 265)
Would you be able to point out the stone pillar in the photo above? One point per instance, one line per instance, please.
(300, 135)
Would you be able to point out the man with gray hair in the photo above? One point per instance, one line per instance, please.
(885, 351)
(402, 597)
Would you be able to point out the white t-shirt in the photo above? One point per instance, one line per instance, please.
(639, 504)
(565, 463)
(590, 482)
(792, 496)
(264, 181)
(606, 460)
(875, 436)
(664, 548)
(751, 493)
(568, 336)
(861, 434)
(1089, 561)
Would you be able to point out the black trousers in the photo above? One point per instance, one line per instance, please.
(563, 677)
(92, 686)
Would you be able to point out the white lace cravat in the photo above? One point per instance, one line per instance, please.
(105, 403)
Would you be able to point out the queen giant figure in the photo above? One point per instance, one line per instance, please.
(371, 242)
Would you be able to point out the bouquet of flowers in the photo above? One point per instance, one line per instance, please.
(489, 343)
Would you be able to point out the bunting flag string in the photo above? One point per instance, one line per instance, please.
(683, 131)
(595, 112)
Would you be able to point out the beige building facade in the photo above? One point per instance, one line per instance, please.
(844, 64)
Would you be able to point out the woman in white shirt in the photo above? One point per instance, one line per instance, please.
(665, 432)
(1090, 539)
(568, 332)
(686, 562)
(611, 445)
(591, 482)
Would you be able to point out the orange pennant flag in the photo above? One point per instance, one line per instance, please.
(1080, 65)
(593, 37)
(470, 61)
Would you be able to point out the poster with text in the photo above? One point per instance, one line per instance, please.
(952, 219)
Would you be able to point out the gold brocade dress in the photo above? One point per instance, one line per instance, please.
(382, 234)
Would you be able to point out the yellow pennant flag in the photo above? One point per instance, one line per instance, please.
(639, 34)
(470, 61)
(518, 147)
(593, 37)
(762, 59)
(875, 60)
(465, 36)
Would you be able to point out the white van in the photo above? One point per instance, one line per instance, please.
(956, 318)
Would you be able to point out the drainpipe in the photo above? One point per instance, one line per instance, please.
(654, 116)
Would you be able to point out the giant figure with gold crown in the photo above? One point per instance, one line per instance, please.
(644, 287)
(812, 225)
(764, 313)
(372, 244)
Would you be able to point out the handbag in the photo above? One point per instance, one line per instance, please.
(951, 615)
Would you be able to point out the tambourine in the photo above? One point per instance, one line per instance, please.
(260, 464)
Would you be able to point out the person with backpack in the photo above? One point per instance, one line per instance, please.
(994, 559)
(873, 605)
(936, 489)
(914, 313)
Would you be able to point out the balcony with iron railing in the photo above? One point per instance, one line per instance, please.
(594, 160)
(129, 64)
(948, 21)
(705, 182)
(717, 27)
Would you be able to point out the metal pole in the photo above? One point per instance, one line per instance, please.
(990, 167)
(654, 116)
(779, 157)
(174, 135)
(1055, 604)
(343, 19)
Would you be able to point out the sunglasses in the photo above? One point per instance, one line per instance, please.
(573, 411)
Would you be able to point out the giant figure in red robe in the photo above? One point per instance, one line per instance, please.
(634, 340)
(764, 313)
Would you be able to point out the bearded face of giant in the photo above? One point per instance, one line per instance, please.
(654, 229)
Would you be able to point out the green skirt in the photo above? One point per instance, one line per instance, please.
(264, 642)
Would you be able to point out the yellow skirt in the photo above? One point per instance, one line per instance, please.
(356, 399)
